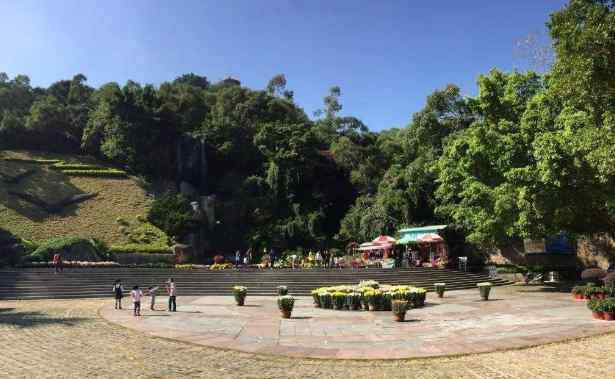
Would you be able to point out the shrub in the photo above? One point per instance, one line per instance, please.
(399, 307)
(608, 305)
(220, 266)
(578, 290)
(339, 300)
(62, 166)
(326, 300)
(353, 301)
(148, 234)
(38, 161)
(140, 248)
(109, 173)
(12, 248)
(593, 275)
(282, 290)
(240, 293)
(286, 303)
(316, 297)
(609, 279)
(594, 305)
(171, 213)
(68, 247)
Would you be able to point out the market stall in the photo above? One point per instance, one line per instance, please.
(377, 252)
(425, 245)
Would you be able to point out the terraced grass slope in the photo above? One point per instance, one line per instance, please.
(116, 197)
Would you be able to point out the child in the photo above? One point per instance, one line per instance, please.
(118, 291)
(136, 294)
(152, 294)
(172, 294)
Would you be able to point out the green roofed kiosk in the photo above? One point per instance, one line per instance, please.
(425, 245)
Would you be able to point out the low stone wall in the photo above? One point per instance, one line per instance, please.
(141, 258)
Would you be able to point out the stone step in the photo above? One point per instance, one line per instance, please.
(75, 283)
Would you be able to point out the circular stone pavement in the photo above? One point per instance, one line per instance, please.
(459, 323)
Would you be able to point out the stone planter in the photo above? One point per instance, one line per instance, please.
(484, 292)
(240, 300)
(609, 316)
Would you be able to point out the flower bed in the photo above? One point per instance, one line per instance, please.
(220, 266)
(367, 295)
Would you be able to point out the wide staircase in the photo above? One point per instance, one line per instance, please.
(89, 283)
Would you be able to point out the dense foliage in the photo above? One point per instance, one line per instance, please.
(530, 155)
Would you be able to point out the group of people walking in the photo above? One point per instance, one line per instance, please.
(136, 294)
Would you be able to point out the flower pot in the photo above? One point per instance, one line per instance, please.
(579, 296)
(597, 315)
(399, 317)
(285, 313)
(440, 294)
(609, 316)
(240, 301)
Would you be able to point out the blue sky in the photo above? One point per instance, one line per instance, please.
(386, 56)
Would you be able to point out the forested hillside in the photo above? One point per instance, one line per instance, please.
(531, 155)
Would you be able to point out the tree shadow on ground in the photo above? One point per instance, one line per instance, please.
(34, 319)
(556, 288)
(44, 183)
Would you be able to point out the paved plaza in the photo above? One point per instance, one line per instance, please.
(460, 323)
(68, 339)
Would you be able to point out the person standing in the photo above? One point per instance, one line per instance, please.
(152, 294)
(118, 292)
(136, 295)
(57, 262)
(249, 255)
(272, 256)
(318, 259)
(171, 290)
(237, 259)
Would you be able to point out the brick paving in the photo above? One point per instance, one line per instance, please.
(458, 324)
(68, 339)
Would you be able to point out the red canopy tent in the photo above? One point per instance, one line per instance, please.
(382, 239)
(430, 238)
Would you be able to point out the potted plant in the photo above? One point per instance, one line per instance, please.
(240, 293)
(364, 303)
(353, 301)
(578, 292)
(608, 309)
(386, 301)
(399, 308)
(282, 290)
(326, 300)
(339, 300)
(285, 304)
(440, 287)
(370, 298)
(417, 297)
(316, 297)
(484, 289)
(595, 306)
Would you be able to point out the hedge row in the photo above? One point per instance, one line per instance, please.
(76, 166)
(140, 249)
(108, 173)
(39, 161)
